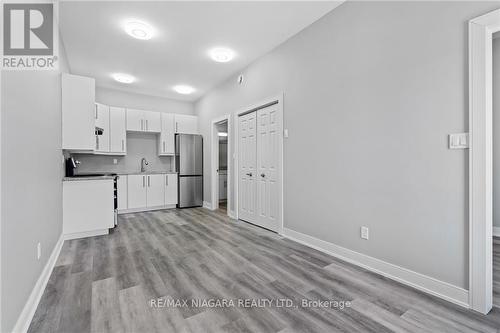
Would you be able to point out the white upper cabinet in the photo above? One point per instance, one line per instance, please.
(143, 121)
(102, 121)
(78, 112)
(135, 120)
(186, 124)
(171, 189)
(153, 121)
(117, 130)
(166, 142)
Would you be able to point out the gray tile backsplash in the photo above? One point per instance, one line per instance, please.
(139, 145)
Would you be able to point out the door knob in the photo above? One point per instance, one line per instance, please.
(262, 175)
(249, 174)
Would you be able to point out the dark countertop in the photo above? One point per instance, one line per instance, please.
(72, 179)
(146, 173)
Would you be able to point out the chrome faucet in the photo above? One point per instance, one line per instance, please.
(143, 164)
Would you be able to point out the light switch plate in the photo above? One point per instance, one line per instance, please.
(364, 232)
(285, 133)
(458, 141)
(38, 251)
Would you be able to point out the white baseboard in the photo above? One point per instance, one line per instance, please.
(496, 231)
(24, 320)
(207, 205)
(84, 234)
(144, 209)
(231, 214)
(405, 276)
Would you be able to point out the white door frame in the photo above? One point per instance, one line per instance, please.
(215, 162)
(279, 99)
(480, 160)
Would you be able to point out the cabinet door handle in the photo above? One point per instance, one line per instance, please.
(166, 180)
(96, 112)
(143, 181)
(147, 125)
(142, 126)
(164, 146)
(123, 145)
(97, 142)
(149, 181)
(176, 127)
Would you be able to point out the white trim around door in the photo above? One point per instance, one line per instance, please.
(481, 30)
(215, 162)
(268, 101)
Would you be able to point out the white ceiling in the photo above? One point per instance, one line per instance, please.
(96, 44)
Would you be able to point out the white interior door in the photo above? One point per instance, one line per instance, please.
(247, 161)
(268, 168)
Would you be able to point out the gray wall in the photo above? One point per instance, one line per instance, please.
(31, 171)
(139, 145)
(371, 92)
(138, 101)
(496, 131)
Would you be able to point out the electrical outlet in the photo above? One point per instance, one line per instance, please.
(115, 161)
(285, 133)
(364, 232)
(38, 251)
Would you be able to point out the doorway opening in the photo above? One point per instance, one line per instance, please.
(496, 168)
(221, 165)
(481, 164)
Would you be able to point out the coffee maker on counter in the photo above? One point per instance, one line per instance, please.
(71, 165)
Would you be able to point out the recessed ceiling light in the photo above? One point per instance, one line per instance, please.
(139, 29)
(123, 78)
(184, 89)
(221, 54)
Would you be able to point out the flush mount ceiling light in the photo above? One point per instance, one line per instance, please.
(221, 54)
(222, 134)
(123, 78)
(139, 29)
(184, 89)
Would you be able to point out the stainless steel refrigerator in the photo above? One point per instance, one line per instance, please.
(189, 165)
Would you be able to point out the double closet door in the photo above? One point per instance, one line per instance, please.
(259, 183)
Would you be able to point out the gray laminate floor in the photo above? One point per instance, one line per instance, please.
(107, 284)
(496, 271)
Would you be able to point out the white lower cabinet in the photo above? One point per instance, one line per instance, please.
(146, 191)
(88, 208)
(171, 189)
(136, 191)
(156, 191)
(122, 192)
